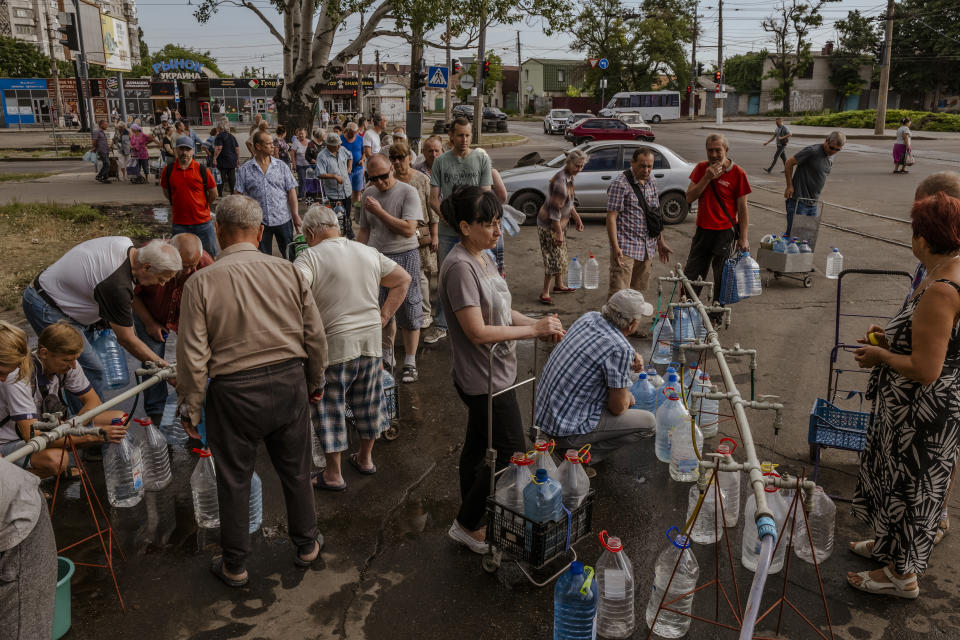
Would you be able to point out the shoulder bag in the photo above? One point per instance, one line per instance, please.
(654, 217)
(723, 207)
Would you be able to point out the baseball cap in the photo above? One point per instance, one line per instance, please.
(185, 141)
(331, 139)
(629, 303)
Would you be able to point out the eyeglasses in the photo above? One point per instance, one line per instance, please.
(382, 177)
(394, 158)
(833, 148)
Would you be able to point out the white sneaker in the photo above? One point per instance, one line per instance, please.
(435, 335)
(461, 535)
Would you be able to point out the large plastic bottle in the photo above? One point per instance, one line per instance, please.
(805, 247)
(683, 330)
(792, 247)
(156, 457)
(779, 245)
(834, 264)
(821, 521)
(704, 530)
(123, 471)
(513, 481)
(113, 358)
(750, 549)
(669, 624)
(389, 401)
(543, 457)
(748, 276)
(615, 611)
(644, 394)
(669, 416)
(316, 449)
(542, 502)
(170, 425)
(691, 376)
(574, 274)
(574, 483)
(655, 378)
(662, 341)
(729, 485)
(686, 445)
(591, 273)
(707, 410)
(256, 502)
(340, 213)
(575, 604)
(203, 487)
(672, 383)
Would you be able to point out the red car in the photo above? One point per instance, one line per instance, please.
(606, 129)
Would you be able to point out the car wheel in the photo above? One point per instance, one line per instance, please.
(655, 119)
(545, 129)
(529, 203)
(674, 207)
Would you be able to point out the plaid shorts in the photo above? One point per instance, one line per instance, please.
(410, 313)
(357, 383)
(554, 257)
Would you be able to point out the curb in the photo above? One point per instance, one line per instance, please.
(75, 158)
(500, 145)
(850, 136)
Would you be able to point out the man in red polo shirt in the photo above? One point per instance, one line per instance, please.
(157, 312)
(190, 189)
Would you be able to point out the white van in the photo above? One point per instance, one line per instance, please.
(654, 106)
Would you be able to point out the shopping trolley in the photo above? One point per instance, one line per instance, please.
(794, 266)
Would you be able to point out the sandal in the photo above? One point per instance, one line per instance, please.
(942, 529)
(862, 550)
(545, 300)
(896, 586)
(216, 568)
(409, 374)
(367, 471)
(300, 561)
(319, 483)
(563, 289)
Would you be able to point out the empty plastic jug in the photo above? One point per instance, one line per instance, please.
(316, 449)
(662, 341)
(690, 377)
(686, 444)
(256, 502)
(156, 457)
(543, 457)
(574, 274)
(792, 247)
(707, 410)
(750, 549)
(203, 487)
(389, 399)
(574, 483)
(805, 247)
(542, 502)
(615, 610)
(123, 471)
(669, 624)
(575, 604)
(513, 481)
(683, 329)
(705, 529)
(170, 425)
(821, 521)
(748, 276)
(729, 484)
(113, 358)
(644, 394)
(672, 383)
(655, 378)
(779, 245)
(672, 414)
(591, 273)
(834, 264)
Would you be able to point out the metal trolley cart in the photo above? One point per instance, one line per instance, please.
(536, 547)
(795, 266)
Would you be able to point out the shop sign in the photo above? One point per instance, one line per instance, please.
(178, 69)
(347, 84)
(246, 83)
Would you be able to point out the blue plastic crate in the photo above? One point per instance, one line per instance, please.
(837, 428)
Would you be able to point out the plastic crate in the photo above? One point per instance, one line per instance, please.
(535, 543)
(388, 404)
(831, 426)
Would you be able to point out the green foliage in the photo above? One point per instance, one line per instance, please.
(745, 71)
(573, 92)
(865, 119)
(926, 48)
(858, 42)
(176, 51)
(490, 82)
(19, 59)
(790, 25)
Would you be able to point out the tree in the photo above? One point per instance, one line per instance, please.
(790, 26)
(926, 51)
(490, 82)
(175, 51)
(21, 60)
(745, 71)
(858, 43)
(309, 27)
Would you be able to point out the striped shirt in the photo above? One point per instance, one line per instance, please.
(631, 221)
(593, 357)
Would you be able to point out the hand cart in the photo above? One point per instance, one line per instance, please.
(830, 425)
(533, 546)
(795, 266)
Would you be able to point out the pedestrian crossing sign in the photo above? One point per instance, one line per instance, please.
(437, 77)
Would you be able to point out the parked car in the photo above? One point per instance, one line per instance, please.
(463, 111)
(527, 186)
(556, 121)
(605, 129)
(492, 113)
(635, 121)
(577, 117)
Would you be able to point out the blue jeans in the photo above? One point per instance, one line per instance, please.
(155, 397)
(204, 231)
(800, 207)
(301, 177)
(282, 232)
(41, 314)
(104, 172)
(446, 243)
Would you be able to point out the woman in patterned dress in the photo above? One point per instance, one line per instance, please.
(911, 449)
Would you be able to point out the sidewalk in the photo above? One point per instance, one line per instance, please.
(800, 131)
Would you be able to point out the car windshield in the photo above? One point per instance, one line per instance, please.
(561, 113)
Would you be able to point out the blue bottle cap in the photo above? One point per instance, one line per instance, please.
(542, 475)
(576, 568)
(642, 376)
(672, 376)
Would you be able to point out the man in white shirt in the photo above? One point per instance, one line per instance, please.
(346, 278)
(371, 138)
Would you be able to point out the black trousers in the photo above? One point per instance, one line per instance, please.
(779, 153)
(228, 181)
(474, 472)
(267, 403)
(709, 248)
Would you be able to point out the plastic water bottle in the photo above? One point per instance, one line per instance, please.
(684, 331)
(729, 482)
(591, 274)
(543, 458)
(669, 624)
(575, 604)
(170, 425)
(779, 246)
(644, 394)
(748, 276)
(792, 246)
(671, 383)
(574, 483)
(574, 274)
(256, 502)
(316, 449)
(113, 358)
(156, 457)
(683, 458)
(662, 341)
(691, 376)
(707, 410)
(615, 614)
(123, 471)
(834, 264)
(389, 400)
(542, 502)
(203, 487)
(513, 481)
(341, 213)
(672, 414)
(655, 378)
(805, 247)
(311, 173)
(750, 549)
(821, 521)
(767, 239)
(705, 529)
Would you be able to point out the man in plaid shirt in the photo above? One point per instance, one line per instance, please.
(631, 247)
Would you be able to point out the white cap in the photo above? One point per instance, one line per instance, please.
(629, 303)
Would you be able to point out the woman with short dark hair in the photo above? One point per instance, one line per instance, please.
(902, 147)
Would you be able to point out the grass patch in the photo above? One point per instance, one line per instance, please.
(23, 177)
(864, 119)
(35, 235)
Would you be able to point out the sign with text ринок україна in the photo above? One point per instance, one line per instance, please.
(178, 69)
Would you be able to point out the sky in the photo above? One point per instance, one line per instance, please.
(237, 38)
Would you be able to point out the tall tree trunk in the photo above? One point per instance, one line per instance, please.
(298, 110)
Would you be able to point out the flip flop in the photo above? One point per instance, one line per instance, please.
(942, 529)
(300, 561)
(563, 289)
(367, 471)
(548, 300)
(216, 568)
(860, 548)
(893, 588)
(319, 483)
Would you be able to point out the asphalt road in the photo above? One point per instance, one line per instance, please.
(390, 571)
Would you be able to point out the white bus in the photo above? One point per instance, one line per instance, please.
(654, 106)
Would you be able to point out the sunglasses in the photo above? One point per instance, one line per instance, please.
(381, 177)
(395, 158)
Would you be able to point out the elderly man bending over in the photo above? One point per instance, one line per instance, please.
(346, 277)
(584, 394)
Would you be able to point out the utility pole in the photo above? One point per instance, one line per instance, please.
(360, 72)
(481, 56)
(519, 76)
(447, 107)
(377, 56)
(54, 69)
(88, 119)
(692, 109)
(884, 74)
(720, 61)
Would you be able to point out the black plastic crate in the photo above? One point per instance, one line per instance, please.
(535, 543)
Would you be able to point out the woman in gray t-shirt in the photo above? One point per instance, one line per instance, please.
(901, 148)
(483, 329)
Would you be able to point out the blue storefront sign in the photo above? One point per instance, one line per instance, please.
(17, 97)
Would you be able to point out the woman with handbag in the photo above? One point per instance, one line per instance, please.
(902, 151)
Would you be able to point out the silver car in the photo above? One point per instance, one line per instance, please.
(527, 186)
(556, 121)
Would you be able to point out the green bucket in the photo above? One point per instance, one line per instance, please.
(61, 611)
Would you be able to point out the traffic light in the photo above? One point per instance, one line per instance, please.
(68, 32)
(717, 76)
(486, 68)
(421, 78)
(689, 89)
(456, 65)
(354, 93)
